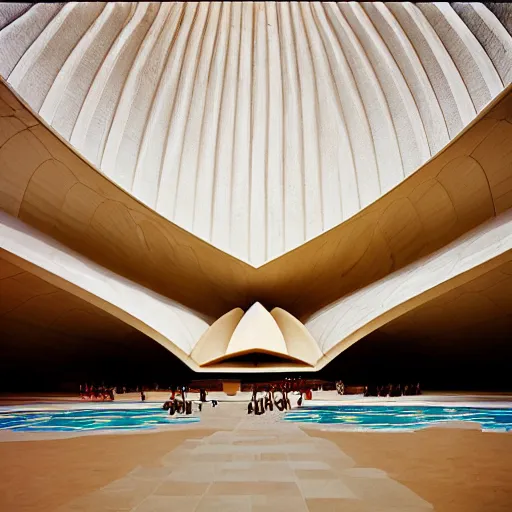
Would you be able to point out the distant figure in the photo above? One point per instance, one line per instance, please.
(202, 395)
(340, 387)
(142, 396)
(281, 402)
(269, 406)
(199, 406)
(299, 401)
(418, 390)
(215, 403)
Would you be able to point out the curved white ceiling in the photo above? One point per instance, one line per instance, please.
(256, 126)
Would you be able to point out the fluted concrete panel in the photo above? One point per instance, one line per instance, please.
(36, 71)
(67, 94)
(11, 12)
(502, 13)
(257, 126)
(18, 36)
(491, 34)
(474, 65)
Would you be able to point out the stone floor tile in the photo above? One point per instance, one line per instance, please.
(168, 504)
(384, 492)
(82, 506)
(308, 464)
(274, 457)
(237, 465)
(224, 503)
(172, 488)
(278, 504)
(336, 459)
(254, 488)
(316, 474)
(245, 456)
(215, 457)
(325, 489)
(364, 473)
(127, 483)
(185, 474)
(344, 505)
(236, 475)
(108, 501)
(334, 505)
(152, 473)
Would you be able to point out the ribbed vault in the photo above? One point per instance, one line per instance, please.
(256, 126)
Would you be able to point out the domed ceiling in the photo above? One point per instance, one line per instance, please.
(256, 126)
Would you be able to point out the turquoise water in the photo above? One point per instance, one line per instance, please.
(72, 420)
(406, 417)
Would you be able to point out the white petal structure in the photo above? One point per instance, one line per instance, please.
(256, 331)
(257, 125)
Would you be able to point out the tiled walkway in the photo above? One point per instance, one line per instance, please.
(258, 466)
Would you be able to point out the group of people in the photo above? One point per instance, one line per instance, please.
(96, 393)
(277, 396)
(181, 405)
(392, 390)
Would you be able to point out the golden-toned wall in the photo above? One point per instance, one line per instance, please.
(465, 317)
(45, 311)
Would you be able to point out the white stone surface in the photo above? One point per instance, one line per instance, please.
(256, 126)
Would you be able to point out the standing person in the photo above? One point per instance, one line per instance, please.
(142, 396)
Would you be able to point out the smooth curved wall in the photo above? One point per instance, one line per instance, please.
(349, 319)
(174, 326)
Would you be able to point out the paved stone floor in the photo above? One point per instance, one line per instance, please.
(253, 464)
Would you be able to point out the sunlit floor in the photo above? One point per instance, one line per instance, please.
(230, 461)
